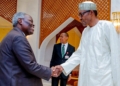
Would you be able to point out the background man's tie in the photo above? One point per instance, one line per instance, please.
(63, 50)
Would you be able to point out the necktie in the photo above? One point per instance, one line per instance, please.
(63, 50)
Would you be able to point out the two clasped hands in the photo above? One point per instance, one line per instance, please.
(56, 70)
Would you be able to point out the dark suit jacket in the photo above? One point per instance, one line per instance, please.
(18, 66)
(57, 56)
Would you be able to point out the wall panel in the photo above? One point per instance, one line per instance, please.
(55, 12)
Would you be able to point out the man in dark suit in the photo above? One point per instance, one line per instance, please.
(18, 66)
(61, 53)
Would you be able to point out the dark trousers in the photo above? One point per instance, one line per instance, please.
(55, 81)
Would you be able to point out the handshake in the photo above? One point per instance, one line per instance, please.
(56, 70)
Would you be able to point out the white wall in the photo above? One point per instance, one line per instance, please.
(48, 51)
(33, 8)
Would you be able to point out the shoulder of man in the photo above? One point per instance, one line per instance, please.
(13, 34)
(57, 44)
(71, 45)
(16, 32)
(105, 22)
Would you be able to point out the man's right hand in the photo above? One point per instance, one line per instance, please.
(57, 70)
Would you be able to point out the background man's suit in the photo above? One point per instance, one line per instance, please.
(57, 59)
(18, 66)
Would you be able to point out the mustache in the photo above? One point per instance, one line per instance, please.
(84, 23)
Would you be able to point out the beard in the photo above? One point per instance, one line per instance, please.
(84, 23)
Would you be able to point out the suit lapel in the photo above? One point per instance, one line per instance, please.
(67, 49)
(59, 50)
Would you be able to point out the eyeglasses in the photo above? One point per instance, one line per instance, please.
(82, 14)
(31, 25)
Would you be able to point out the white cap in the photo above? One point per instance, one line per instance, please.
(87, 5)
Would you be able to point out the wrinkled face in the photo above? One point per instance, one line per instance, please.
(85, 17)
(63, 38)
(27, 25)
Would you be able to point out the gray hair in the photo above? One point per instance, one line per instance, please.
(16, 17)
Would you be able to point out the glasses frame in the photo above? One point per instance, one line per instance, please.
(31, 25)
(82, 14)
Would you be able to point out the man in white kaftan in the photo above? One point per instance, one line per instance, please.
(98, 52)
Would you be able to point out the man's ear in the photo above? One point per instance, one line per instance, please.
(20, 21)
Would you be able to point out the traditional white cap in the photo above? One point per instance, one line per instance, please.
(87, 5)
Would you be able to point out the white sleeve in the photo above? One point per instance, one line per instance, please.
(73, 61)
(113, 41)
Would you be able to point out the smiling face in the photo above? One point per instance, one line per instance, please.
(63, 38)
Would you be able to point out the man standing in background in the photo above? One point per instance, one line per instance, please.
(61, 53)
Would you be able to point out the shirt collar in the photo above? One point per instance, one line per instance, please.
(23, 33)
(65, 44)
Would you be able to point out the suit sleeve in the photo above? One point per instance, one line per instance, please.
(73, 49)
(25, 56)
(72, 53)
(73, 61)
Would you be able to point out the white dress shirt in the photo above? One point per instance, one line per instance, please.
(66, 45)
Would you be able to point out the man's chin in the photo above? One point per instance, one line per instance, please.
(30, 33)
(84, 24)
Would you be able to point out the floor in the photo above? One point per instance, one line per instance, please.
(48, 83)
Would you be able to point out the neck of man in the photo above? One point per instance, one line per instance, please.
(18, 26)
(93, 22)
(64, 42)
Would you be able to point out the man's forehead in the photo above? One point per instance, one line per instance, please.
(82, 10)
(29, 18)
(63, 34)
